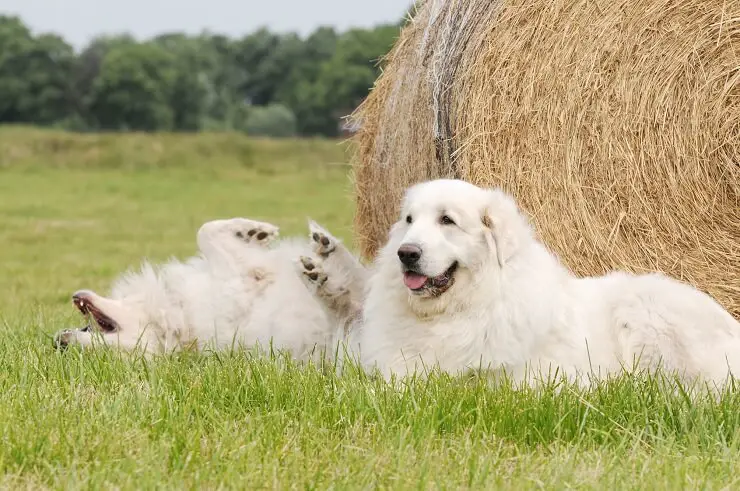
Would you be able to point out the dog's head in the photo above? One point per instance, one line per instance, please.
(125, 318)
(449, 233)
(106, 315)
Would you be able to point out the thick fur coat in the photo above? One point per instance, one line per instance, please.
(463, 283)
(242, 290)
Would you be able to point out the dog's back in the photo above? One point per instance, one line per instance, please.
(660, 321)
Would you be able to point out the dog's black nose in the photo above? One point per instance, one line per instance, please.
(409, 254)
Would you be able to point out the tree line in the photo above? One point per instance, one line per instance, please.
(263, 83)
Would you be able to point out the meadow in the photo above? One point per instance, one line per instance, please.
(76, 210)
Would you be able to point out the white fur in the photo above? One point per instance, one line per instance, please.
(239, 291)
(514, 307)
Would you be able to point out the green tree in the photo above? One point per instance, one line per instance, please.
(134, 88)
(342, 81)
(299, 90)
(36, 75)
(193, 67)
(225, 104)
(15, 42)
(88, 65)
(178, 82)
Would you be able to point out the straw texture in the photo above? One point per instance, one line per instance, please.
(616, 124)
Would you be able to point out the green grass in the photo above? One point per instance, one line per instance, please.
(77, 210)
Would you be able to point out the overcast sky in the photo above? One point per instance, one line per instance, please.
(80, 20)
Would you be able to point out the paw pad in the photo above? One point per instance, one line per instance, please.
(312, 270)
(324, 243)
(251, 231)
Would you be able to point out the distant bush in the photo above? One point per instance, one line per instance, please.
(74, 122)
(273, 120)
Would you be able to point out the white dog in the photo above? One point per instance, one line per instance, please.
(463, 283)
(240, 291)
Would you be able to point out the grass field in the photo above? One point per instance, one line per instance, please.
(77, 210)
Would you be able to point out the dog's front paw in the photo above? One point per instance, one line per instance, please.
(62, 339)
(323, 242)
(254, 232)
(312, 271)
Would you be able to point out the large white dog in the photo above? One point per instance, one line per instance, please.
(242, 290)
(463, 283)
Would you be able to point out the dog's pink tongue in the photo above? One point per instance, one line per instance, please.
(414, 281)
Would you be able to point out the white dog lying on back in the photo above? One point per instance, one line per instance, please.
(463, 283)
(239, 291)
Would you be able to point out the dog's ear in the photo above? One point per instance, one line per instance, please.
(499, 217)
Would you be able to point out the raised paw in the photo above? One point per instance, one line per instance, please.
(323, 242)
(312, 271)
(252, 231)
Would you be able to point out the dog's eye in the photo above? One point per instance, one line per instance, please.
(446, 220)
(408, 219)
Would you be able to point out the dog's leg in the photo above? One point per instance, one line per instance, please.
(332, 291)
(223, 240)
(338, 261)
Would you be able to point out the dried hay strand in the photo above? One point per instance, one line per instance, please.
(616, 124)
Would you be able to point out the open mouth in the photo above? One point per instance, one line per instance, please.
(434, 286)
(88, 309)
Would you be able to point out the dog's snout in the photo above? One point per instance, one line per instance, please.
(409, 254)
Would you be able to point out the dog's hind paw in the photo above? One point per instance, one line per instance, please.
(323, 242)
(312, 271)
(254, 232)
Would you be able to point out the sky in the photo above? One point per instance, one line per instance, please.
(78, 21)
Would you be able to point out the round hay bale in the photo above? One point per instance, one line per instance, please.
(616, 124)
